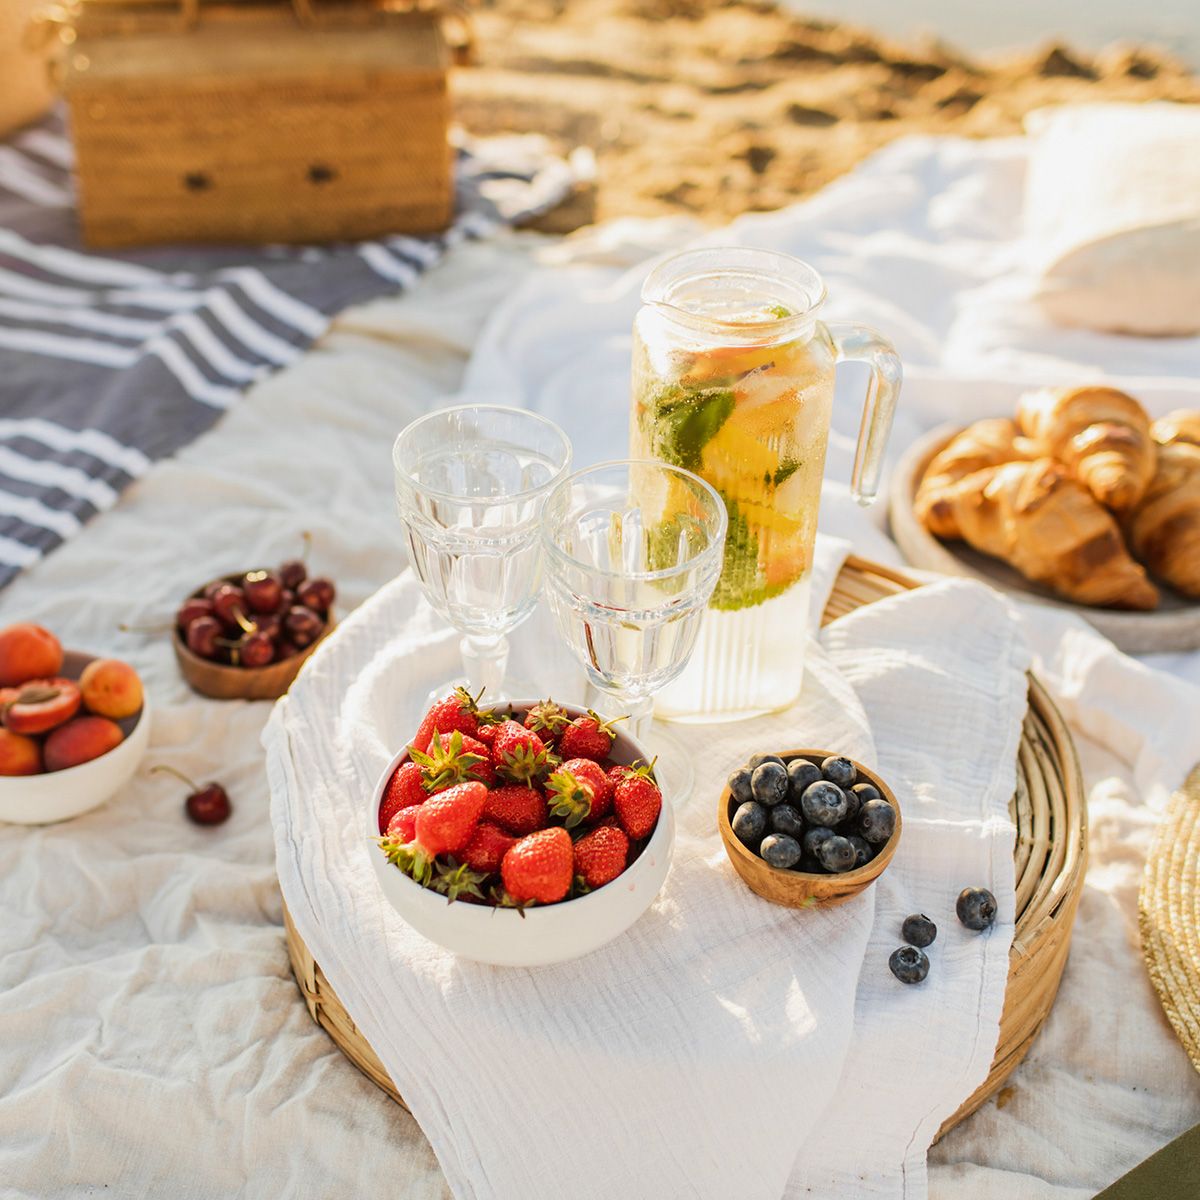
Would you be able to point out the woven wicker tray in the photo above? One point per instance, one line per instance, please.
(1051, 855)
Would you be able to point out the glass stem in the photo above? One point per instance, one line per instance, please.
(641, 713)
(485, 660)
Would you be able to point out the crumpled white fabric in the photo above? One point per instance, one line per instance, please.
(719, 1020)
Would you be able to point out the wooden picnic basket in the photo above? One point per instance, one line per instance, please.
(258, 120)
(1048, 808)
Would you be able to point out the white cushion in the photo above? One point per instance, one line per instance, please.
(1112, 214)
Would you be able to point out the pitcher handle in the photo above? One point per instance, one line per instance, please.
(858, 343)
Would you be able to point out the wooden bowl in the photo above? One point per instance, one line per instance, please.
(800, 889)
(1174, 625)
(220, 681)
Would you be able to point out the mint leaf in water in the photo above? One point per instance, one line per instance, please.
(780, 311)
(684, 422)
(786, 470)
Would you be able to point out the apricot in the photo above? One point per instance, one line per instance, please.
(79, 741)
(28, 652)
(111, 688)
(41, 704)
(19, 755)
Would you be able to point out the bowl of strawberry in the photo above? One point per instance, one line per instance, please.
(527, 834)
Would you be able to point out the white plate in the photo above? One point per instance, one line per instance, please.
(1174, 625)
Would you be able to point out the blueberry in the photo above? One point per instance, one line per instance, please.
(839, 770)
(918, 930)
(801, 773)
(779, 850)
(824, 803)
(909, 965)
(739, 785)
(877, 821)
(757, 760)
(976, 908)
(863, 851)
(836, 854)
(815, 837)
(785, 819)
(810, 865)
(750, 822)
(769, 783)
(865, 792)
(853, 804)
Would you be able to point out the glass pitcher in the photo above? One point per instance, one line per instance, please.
(733, 379)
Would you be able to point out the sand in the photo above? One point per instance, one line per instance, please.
(717, 107)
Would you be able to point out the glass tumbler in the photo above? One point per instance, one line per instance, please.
(633, 552)
(733, 378)
(470, 485)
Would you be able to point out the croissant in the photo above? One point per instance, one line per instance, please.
(1182, 425)
(1035, 516)
(1100, 434)
(984, 444)
(1164, 529)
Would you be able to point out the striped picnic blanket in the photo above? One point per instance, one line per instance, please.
(109, 362)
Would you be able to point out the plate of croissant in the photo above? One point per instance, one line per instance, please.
(1081, 501)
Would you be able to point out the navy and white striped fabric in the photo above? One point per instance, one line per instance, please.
(111, 361)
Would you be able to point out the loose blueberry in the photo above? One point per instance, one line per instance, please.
(918, 930)
(757, 760)
(865, 792)
(909, 964)
(839, 770)
(814, 837)
(750, 822)
(877, 821)
(779, 850)
(785, 819)
(739, 785)
(802, 773)
(863, 850)
(769, 783)
(976, 908)
(836, 854)
(824, 803)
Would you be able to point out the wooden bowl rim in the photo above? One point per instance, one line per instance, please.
(860, 875)
(227, 670)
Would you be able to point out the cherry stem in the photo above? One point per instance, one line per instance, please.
(177, 773)
(124, 628)
(307, 536)
(240, 618)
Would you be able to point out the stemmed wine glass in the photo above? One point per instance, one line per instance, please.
(633, 552)
(470, 485)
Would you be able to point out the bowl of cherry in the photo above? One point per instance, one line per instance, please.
(246, 636)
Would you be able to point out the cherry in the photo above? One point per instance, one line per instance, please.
(269, 623)
(211, 589)
(285, 649)
(192, 609)
(316, 593)
(292, 573)
(202, 635)
(207, 805)
(256, 650)
(229, 604)
(287, 597)
(303, 626)
(262, 589)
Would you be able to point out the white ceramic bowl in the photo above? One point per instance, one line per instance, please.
(544, 934)
(60, 795)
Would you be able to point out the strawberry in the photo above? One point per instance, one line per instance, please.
(579, 790)
(402, 827)
(486, 849)
(519, 754)
(600, 855)
(516, 808)
(637, 801)
(547, 719)
(404, 789)
(450, 761)
(587, 737)
(539, 867)
(455, 879)
(458, 711)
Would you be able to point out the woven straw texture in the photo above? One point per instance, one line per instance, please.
(1169, 915)
(1051, 856)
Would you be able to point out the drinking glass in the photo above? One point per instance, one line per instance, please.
(633, 552)
(470, 485)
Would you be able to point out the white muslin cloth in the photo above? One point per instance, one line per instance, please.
(696, 1054)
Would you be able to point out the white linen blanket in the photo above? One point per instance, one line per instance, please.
(708, 1042)
(153, 1042)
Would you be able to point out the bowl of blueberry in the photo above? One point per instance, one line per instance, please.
(808, 827)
